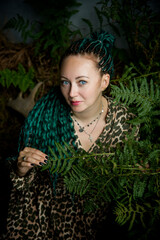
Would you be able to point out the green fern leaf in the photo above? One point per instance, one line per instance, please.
(139, 187)
(70, 149)
(144, 96)
(90, 206)
(88, 22)
(122, 213)
(99, 15)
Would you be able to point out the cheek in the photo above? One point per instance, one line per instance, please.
(64, 91)
(98, 86)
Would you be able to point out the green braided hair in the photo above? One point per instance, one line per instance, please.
(48, 122)
(100, 44)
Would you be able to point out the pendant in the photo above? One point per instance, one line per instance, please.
(90, 138)
(81, 129)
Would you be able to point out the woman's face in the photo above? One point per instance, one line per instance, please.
(82, 83)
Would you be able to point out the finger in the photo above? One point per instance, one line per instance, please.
(23, 164)
(28, 162)
(34, 159)
(21, 156)
(33, 156)
(24, 158)
(34, 150)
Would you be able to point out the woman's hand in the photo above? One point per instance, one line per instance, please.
(28, 158)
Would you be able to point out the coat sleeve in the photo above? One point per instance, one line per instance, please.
(21, 183)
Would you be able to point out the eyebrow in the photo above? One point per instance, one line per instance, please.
(76, 77)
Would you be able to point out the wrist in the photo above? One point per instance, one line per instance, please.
(20, 174)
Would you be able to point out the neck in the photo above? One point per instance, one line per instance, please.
(90, 113)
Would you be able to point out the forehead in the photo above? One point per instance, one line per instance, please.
(75, 66)
(80, 60)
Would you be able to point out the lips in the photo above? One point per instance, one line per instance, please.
(75, 103)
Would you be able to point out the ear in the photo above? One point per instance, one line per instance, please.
(105, 81)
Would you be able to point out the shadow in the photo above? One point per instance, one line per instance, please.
(4, 196)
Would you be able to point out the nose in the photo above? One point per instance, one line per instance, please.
(73, 91)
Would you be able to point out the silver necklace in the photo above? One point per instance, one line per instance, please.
(82, 129)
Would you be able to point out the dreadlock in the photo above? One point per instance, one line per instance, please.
(48, 122)
(99, 44)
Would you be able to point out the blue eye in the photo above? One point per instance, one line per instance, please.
(64, 82)
(82, 82)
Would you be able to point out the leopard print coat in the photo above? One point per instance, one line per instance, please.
(35, 212)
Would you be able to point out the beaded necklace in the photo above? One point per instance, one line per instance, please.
(82, 129)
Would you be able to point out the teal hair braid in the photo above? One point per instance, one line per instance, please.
(100, 44)
(49, 122)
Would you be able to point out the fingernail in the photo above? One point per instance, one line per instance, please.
(45, 161)
(41, 163)
(46, 157)
(32, 164)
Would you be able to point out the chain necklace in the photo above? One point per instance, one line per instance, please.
(82, 129)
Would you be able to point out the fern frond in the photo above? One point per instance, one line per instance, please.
(90, 206)
(139, 186)
(128, 212)
(144, 96)
(122, 213)
(20, 78)
(120, 176)
(21, 25)
(78, 181)
(88, 22)
(70, 149)
(62, 160)
(127, 75)
(99, 15)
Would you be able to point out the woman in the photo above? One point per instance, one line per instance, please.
(40, 208)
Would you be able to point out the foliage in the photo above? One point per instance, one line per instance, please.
(20, 78)
(52, 33)
(144, 97)
(137, 23)
(140, 30)
(139, 93)
(21, 25)
(128, 176)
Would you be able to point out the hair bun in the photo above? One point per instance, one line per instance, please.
(103, 37)
(100, 44)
